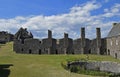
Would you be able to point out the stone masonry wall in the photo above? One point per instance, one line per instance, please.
(106, 66)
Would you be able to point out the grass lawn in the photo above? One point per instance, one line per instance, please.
(25, 65)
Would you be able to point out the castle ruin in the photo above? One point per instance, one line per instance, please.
(25, 43)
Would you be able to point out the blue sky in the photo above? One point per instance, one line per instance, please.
(59, 16)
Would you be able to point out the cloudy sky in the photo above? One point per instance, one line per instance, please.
(59, 16)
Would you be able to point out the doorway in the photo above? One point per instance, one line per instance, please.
(116, 55)
(89, 52)
(30, 51)
(39, 51)
(108, 52)
(56, 52)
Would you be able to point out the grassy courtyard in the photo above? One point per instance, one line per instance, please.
(41, 65)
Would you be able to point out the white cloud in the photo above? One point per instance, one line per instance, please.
(79, 16)
(113, 11)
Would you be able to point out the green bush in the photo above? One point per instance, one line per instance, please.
(74, 68)
(115, 75)
(64, 65)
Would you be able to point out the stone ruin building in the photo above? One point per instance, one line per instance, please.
(25, 43)
(113, 41)
(5, 37)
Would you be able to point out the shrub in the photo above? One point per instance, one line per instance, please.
(74, 68)
(115, 75)
(64, 65)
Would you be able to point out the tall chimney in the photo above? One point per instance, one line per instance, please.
(82, 40)
(65, 35)
(49, 34)
(98, 39)
(65, 43)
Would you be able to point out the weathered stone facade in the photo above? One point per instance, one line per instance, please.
(25, 43)
(113, 41)
(6, 37)
(64, 45)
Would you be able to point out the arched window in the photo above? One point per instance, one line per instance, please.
(40, 42)
(111, 42)
(116, 42)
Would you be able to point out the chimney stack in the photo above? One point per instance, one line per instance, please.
(49, 34)
(65, 35)
(65, 43)
(83, 40)
(98, 39)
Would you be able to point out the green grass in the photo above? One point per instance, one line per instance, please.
(25, 65)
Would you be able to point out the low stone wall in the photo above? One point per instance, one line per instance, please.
(106, 66)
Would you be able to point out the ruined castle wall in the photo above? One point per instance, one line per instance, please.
(5, 37)
(32, 46)
(82, 45)
(54, 50)
(17, 46)
(46, 45)
(103, 46)
(65, 45)
(60, 46)
(70, 46)
(77, 46)
(87, 46)
(93, 46)
(49, 46)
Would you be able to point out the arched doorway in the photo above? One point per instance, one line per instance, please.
(116, 55)
(105, 52)
(22, 49)
(108, 52)
(39, 51)
(89, 51)
(73, 53)
(30, 51)
(56, 52)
